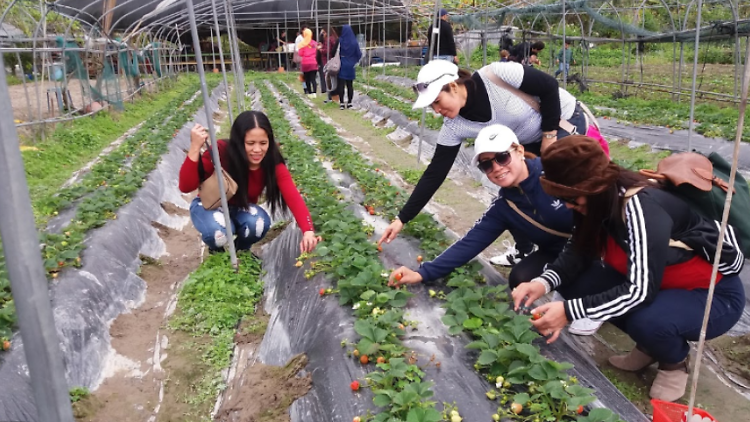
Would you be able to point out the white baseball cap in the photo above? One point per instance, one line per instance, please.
(431, 79)
(493, 138)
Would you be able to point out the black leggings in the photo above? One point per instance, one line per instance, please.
(322, 74)
(530, 267)
(350, 90)
(311, 81)
(664, 325)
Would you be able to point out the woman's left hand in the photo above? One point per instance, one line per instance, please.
(309, 241)
(552, 320)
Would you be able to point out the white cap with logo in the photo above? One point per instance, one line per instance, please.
(493, 138)
(431, 79)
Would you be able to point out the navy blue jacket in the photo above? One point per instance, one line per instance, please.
(530, 198)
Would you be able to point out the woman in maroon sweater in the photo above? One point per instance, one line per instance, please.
(252, 158)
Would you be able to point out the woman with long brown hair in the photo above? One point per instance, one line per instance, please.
(653, 271)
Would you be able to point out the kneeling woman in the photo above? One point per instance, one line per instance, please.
(647, 285)
(522, 208)
(252, 158)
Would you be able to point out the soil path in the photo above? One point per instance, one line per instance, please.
(134, 376)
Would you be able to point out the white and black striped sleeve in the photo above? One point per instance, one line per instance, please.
(648, 229)
(568, 266)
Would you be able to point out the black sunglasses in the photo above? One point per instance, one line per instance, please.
(571, 201)
(501, 158)
(422, 86)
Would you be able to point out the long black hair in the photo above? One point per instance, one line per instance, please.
(602, 210)
(238, 166)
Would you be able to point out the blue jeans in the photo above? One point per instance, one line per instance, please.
(563, 68)
(448, 58)
(249, 225)
(664, 326)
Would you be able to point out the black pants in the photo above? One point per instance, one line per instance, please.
(350, 90)
(311, 81)
(662, 326)
(322, 74)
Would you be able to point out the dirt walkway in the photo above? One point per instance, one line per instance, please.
(134, 374)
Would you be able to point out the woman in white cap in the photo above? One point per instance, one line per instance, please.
(526, 100)
(522, 208)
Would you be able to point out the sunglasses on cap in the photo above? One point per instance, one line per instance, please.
(422, 86)
(501, 158)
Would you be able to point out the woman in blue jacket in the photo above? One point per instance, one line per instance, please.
(500, 156)
(350, 55)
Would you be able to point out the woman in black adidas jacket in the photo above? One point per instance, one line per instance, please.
(654, 274)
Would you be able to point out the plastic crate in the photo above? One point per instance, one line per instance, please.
(674, 412)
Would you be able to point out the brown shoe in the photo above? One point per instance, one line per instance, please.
(670, 382)
(634, 361)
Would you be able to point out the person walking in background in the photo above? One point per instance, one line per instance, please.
(308, 50)
(350, 54)
(282, 41)
(324, 50)
(564, 57)
(327, 51)
(446, 45)
(526, 53)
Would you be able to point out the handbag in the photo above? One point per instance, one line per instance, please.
(334, 65)
(209, 191)
(536, 223)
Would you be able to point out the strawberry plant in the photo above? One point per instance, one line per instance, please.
(211, 303)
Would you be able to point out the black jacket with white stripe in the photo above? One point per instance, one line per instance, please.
(652, 218)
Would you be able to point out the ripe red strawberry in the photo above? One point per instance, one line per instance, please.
(354, 385)
(580, 410)
(322, 292)
(364, 359)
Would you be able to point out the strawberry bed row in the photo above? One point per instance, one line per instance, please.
(529, 387)
(110, 184)
(350, 259)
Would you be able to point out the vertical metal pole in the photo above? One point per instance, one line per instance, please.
(722, 233)
(564, 54)
(23, 81)
(695, 74)
(27, 276)
(278, 37)
(240, 69)
(211, 133)
(221, 58)
(433, 35)
(383, 6)
(484, 36)
(233, 53)
(213, 50)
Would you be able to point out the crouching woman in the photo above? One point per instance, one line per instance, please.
(252, 158)
(654, 274)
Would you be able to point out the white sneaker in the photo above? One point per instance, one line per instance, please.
(510, 257)
(584, 327)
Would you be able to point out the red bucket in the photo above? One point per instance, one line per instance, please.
(665, 411)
